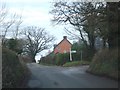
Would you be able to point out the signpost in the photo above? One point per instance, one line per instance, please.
(75, 52)
(71, 54)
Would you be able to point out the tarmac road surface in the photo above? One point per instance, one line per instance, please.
(66, 77)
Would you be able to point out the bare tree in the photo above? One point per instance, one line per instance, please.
(6, 26)
(37, 40)
(5, 21)
(3, 13)
(9, 22)
(16, 29)
(82, 15)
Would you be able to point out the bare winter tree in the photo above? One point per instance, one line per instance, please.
(6, 25)
(37, 40)
(3, 13)
(16, 29)
(82, 15)
(7, 21)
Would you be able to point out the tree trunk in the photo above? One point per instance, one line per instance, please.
(33, 57)
(104, 42)
(33, 60)
(113, 34)
(92, 42)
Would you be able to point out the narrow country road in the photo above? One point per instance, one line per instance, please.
(66, 77)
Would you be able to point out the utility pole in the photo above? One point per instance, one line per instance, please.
(81, 55)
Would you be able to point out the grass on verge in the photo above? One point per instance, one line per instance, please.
(76, 63)
(46, 64)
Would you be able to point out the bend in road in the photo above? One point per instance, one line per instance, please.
(66, 77)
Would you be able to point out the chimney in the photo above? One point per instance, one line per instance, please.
(64, 37)
(55, 46)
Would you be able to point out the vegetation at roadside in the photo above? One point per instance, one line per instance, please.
(63, 60)
(46, 64)
(80, 48)
(14, 72)
(76, 63)
(58, 59)
(105, 63)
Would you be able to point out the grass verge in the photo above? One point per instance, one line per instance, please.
(76, 63)
(47, 64)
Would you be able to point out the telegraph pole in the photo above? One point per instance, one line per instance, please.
(81, 55)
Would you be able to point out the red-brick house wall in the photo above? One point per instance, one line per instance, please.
(63, 47)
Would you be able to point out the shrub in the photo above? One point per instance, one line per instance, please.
(62, 59)
(15, 45)
(55, 59)
(49, 59)
(12, 70)
(73, 63)
(105, 62)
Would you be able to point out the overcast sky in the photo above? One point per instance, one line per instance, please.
(36, 12)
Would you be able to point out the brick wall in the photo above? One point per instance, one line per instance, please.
(63, 47)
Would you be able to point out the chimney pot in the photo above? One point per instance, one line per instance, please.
(65, 37)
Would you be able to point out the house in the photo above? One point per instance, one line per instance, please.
(62, 47)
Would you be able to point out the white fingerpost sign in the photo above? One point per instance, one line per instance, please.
(71, 54)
